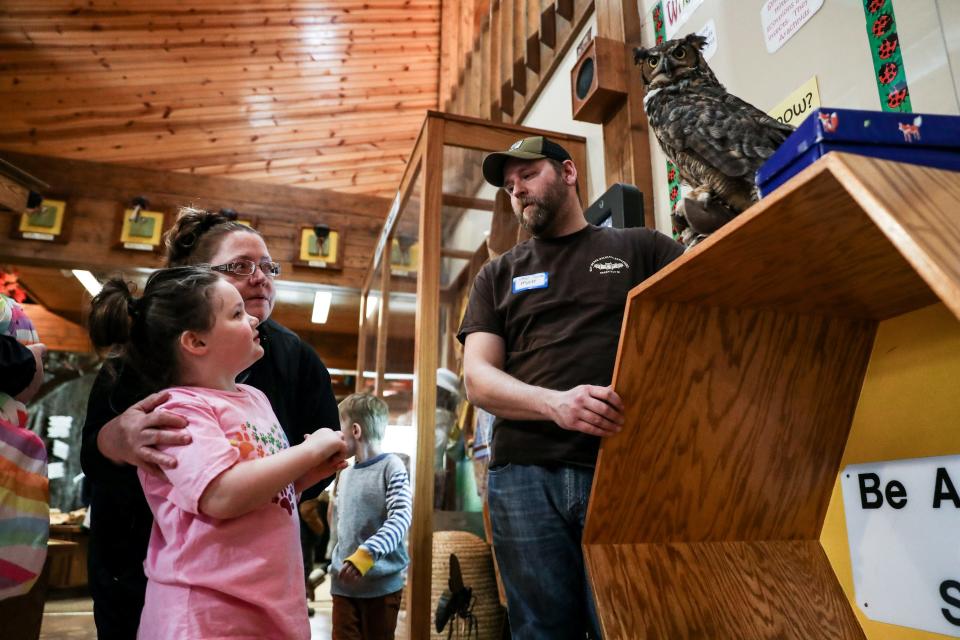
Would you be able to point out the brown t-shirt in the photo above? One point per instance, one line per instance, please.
(558, 304)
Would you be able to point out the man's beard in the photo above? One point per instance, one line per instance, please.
(545, 209)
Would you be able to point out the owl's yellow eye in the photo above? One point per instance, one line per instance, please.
(679, 53)
(653, 60)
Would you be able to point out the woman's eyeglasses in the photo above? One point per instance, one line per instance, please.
(244, 268)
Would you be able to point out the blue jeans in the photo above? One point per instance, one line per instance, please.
(537, 515)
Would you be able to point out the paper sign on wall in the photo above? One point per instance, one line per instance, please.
(61, 449)
(902, 522)
(798, 105)
(59, 426)
(709, 31)
(781, 19)
(676, 13)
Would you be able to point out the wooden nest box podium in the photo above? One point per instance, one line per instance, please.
(741, 365)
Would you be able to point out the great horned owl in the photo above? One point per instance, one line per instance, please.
(717, 140)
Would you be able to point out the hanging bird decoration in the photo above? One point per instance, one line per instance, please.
(715, 139)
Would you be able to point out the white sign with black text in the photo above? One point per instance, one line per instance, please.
(903, 526)
(781, 19)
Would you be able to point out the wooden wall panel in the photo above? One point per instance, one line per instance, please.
(325, 94)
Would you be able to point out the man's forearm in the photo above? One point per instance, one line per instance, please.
(499, 393)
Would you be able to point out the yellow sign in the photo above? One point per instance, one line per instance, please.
(797, 106)
(141, 231)
(907, 410)
(46, 223)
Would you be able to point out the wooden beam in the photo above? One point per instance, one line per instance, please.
(626, 133)
(383, 320)
(425, 387)
(13, 196)
(15, 187)
(548, 25)
(462, 254)
(486, 70)
(96, 194)
(361, 341)
(506, 56)
(506, 98)
(465, 202)
(59, 334)
(494, 81)
(94, 178)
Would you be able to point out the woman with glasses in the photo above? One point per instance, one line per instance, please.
(121, 433)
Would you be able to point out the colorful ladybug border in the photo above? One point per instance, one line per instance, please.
(673, 175)
(887, 56)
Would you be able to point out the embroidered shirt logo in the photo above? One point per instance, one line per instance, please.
(609, 264)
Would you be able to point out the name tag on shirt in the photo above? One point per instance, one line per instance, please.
(532, 281)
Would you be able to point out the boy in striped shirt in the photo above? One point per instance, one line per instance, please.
(372, 503)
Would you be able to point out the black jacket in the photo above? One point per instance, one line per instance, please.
(17, 366)
(290, 374)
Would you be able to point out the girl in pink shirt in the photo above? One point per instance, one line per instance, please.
(224, 558)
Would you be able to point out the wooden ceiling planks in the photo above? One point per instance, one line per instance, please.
(325, 95)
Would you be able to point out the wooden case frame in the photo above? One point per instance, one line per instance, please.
(438, 130)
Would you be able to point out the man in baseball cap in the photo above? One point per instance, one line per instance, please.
(540, 337)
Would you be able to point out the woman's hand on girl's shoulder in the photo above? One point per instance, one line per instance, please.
(133, 436)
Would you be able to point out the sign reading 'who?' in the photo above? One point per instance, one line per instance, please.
(903, 524)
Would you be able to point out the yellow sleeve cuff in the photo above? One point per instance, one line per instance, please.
(362, 560)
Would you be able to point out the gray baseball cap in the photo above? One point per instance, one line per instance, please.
(533, 148)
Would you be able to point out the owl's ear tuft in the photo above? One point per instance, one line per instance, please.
(639, 53)
(696, 40)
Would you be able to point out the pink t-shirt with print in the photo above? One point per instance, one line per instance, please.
(210, 578)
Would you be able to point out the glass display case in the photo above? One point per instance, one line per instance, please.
(434, 241)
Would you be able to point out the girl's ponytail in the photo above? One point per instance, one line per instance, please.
(112, 313)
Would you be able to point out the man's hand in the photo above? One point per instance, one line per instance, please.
(132, 437)
(587, 408)
(349, 573)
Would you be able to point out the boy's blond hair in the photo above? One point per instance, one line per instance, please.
(367, 410)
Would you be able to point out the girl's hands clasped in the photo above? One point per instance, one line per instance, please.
(330, 449)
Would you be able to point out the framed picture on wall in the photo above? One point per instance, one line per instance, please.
(320, 248)
(46, 223)
(141, 231)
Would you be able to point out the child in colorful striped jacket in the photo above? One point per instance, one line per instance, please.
(24, 488)
(372, 503)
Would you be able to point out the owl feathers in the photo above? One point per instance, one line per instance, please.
(716, 140)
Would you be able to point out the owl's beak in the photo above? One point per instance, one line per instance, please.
(662, 70)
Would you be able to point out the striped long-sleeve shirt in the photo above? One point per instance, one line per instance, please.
(373, 506)
(24, 501)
